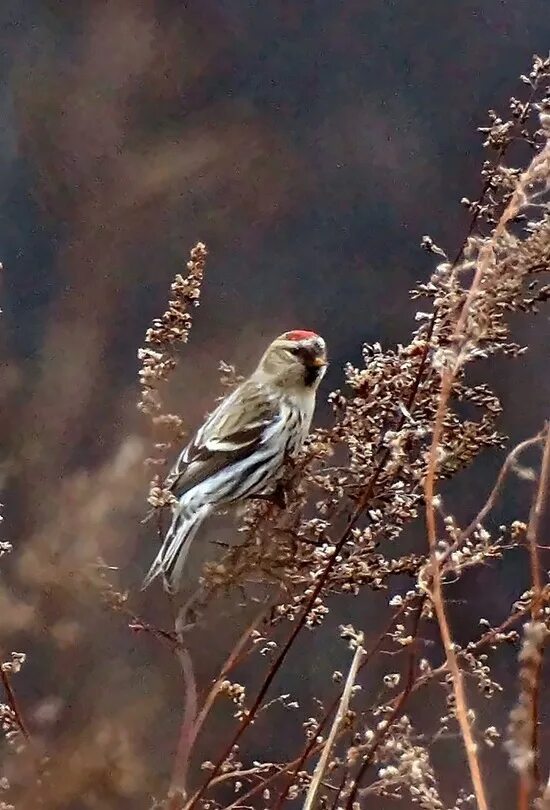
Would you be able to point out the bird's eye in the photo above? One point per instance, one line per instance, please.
(295, 350)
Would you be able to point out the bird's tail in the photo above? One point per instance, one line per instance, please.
(172, 555)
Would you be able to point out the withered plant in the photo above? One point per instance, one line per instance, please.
(405, 421)
(370, 529)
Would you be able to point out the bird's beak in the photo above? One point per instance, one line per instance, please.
(319, 362)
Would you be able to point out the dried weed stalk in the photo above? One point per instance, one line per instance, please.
(399, 431)
(370, 531)
(159, 359)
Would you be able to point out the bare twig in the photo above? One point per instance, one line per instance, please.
(232, 659)
(277, 663)
(533, 527)
(371, 492)
(489, 504)
(178, 788)
(436, 595)
(337, 722)
(530, 776)
(13, 703)
(399, 704)
(313, 747)
(486, 260)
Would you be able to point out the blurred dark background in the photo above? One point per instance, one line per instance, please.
(310, 145)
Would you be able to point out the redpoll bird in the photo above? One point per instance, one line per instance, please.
(240, 450)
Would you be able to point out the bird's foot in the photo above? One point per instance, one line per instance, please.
(278, 496)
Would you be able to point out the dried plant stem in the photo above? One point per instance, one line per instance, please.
(178, 786)
(230, 662)
(485, 639)
(530, 776)
(13, 704)
(344, 537)
(489, 504)
(523, 793)
(490, 635)
(486, 259)
(277, 663)
(338, 720)
(358, 511)
(436, 595)
(383, 730)
(311, 748)
(533, 527)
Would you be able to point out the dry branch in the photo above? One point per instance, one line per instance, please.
(339, 718)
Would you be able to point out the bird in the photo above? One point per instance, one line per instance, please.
(243, 446)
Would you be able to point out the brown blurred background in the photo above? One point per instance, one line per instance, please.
(310, 145)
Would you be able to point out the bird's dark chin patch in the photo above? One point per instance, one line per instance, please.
(311, 375)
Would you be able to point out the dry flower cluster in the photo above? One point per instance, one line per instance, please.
(159, 359)
(406, 421)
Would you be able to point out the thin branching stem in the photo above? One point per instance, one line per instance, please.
(400, 401)
(533, 527)
(489, 505)
(530, 777)
(485, 262)
(398, 707)
(339, 718)
(277, 663)
(436, 595)
(13, 703)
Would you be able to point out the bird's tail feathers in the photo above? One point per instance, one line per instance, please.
(173, 553)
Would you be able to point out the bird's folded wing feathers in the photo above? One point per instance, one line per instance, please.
(238, 425)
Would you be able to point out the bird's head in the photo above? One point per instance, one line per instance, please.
(296, 359)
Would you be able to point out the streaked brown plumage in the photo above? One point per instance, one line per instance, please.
(240, 450)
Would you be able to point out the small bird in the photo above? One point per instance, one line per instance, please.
(241, 449)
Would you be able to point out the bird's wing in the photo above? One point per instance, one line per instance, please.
(239, 424)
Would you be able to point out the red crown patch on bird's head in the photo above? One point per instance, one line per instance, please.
(300, 334)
